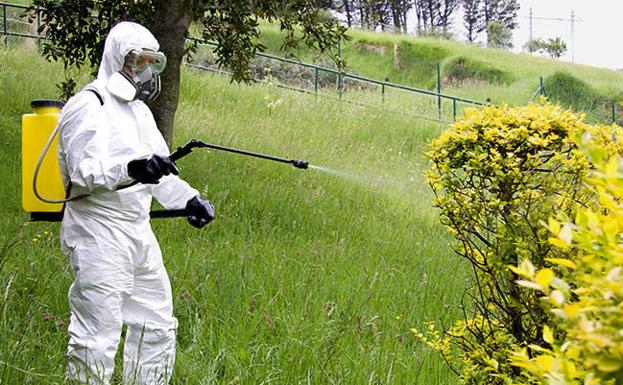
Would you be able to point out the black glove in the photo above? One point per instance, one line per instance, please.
(150, 170)
(201, 212)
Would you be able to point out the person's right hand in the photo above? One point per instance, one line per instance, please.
(150, 170)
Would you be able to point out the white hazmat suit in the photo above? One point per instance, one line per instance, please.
(119, 276)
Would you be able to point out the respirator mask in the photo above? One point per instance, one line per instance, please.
(142, 82)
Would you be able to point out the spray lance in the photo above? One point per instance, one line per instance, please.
(186, 149)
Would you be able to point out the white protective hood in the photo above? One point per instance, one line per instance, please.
(122, 38)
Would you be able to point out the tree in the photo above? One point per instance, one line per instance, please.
(347, 10)
(373, 13)
(499, 36)
(535, 45)
(399, 9)
(554, 47)
(445, 11)
(472, 20)
(435, 16)
(503, 12)
(77, 28)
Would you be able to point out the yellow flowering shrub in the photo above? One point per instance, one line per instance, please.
(583, 342)
(497, 173)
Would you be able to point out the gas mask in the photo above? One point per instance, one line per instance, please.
(142, 81)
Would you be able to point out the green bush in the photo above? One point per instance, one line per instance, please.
(496, 174)
(461, 69)
(572, 92)
(569, 91)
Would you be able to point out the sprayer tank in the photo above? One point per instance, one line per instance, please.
(36, 129)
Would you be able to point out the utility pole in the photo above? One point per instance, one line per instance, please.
(531, 15)
(573, 36)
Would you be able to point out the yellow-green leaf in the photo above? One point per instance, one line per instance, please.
(558, 243)
(545, 362)
(553, 225)
(609, 365)
(544, 277)
(562, 262)
(548, 336)
(571, 310)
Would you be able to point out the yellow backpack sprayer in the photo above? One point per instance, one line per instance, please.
(43, 193)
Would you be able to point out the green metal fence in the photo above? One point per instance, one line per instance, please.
(321, 80)
(14, 24)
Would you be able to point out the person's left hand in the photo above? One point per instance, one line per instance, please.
(201, 212)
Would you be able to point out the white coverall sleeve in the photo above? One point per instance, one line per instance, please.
(172, 192)
(85, 145)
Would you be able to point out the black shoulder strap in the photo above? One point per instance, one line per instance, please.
(99, 97)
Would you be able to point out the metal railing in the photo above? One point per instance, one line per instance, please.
(384, 88)
(6, 19)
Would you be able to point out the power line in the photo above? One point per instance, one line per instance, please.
(572, 20)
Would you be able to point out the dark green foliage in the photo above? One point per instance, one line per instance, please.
(555, 47)
(424, 56)
(406, 62)
(570, 91)
(461, 69)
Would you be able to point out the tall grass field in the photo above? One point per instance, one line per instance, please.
(304, 277)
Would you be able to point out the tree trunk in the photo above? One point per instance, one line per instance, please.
(171, 23)
(431, 15)
(396, 9)
(348, 15)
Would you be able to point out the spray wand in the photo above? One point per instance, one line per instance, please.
(186, 149)
(194, 143)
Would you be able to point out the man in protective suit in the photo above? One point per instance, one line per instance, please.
(109, 140)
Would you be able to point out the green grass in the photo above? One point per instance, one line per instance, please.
(304, 277)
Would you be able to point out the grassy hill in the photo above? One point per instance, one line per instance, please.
(471, 71)
(304, 275)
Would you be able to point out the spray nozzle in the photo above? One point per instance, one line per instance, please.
(302, 164)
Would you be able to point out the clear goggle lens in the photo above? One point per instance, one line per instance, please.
(139, 61)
